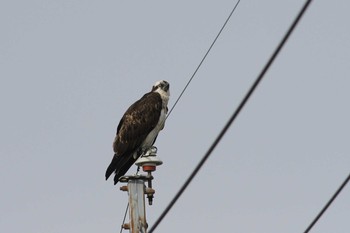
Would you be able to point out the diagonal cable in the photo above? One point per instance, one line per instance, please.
(205, 56)
(328, 204)
(126, 211)
(233, 117)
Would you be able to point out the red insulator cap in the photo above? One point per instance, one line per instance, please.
(148, 168)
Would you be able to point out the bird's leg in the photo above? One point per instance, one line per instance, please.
(147, 151)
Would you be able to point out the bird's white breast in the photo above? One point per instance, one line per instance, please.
(153, 134)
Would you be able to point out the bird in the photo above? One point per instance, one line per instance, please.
(138, 129)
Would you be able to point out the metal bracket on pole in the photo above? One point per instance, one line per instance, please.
(137, 191)
(149, 162)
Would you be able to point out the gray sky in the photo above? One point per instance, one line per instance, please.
(69, 70)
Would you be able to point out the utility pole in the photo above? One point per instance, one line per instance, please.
(137, 191)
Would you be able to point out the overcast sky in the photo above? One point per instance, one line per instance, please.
(70, 69)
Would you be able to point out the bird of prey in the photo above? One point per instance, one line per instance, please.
(139, 128)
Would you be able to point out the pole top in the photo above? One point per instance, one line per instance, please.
(125, 179)
(149, 160)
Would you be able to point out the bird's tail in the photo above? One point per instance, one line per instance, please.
(120, 165)
(112, 166)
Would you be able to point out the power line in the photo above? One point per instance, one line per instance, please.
(126, 211)
(206, 54)
(328, 204)
(233, 117)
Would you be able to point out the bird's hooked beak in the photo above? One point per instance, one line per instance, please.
(166, 86)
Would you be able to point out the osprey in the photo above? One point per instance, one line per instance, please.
(138, 129)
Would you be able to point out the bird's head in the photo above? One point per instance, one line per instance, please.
(162, 87)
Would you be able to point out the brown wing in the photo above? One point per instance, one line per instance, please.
(137, 123)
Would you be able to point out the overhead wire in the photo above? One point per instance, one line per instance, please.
(204, 57)
(319, 215)
(234, 115)
(126, 211)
